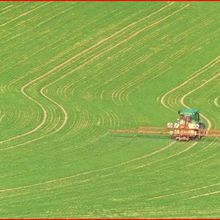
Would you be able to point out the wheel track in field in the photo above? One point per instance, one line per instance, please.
(5, 9)
(8, 6)
(193, 76)
(150, 154)
(23, 14)
(23, 60)
(141, 30)
(183, 104)
(133, 23)
(166, 158)
(123, 93)
(187, 94)
(185, 191)
(45, 75)
(119, 43)
(85, 63)
(125, 163)
(89, 172)
(136, 158)
(160, 20)
(60, 180)
(200, 161)
(204, 195)
(211, 143)
(216, 101)
(57, 43)
(11, 9)
(189, 79)
(2, 115)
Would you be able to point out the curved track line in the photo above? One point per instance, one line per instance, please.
(171, 156)
(57, 104)
(1, 117)
(36, 128)
(185, 191)
(216, 101)
(64, 110)
(67, 61)
(121, 42)
(187, 94)
(89, 172)
(102, 41)
(150, 154)
(40, 125)
(62, 65)
(114, 46)
(192, 76)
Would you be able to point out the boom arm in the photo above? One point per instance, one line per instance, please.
(162, 131)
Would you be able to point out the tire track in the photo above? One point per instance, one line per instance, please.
(189, 79)
(185, 191)
(58, 180)
(187, 94)
(58, 67)
(2, 115)
(216, 101)
(41, 107)
(166, 158)
(140, 31)
(15, 6)
(204, 195)
(23, 14)
(3, 9)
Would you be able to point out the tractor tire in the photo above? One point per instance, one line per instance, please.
(197, 138)
(201, 125)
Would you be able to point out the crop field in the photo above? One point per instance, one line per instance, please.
(71, 72)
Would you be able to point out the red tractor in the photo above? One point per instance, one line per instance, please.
(188, 126)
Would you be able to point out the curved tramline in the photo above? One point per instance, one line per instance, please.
(72, 72)
(85, 63)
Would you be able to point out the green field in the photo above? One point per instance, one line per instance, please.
(70, 72)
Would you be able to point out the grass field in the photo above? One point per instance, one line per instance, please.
(70, 72)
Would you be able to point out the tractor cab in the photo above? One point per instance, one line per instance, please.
(189, 115)
(189, 118)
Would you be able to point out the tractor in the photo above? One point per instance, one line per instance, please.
(188, 126)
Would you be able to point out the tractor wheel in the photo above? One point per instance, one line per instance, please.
(197, 138)
(201, 125)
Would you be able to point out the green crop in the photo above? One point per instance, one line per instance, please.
(70, 72)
